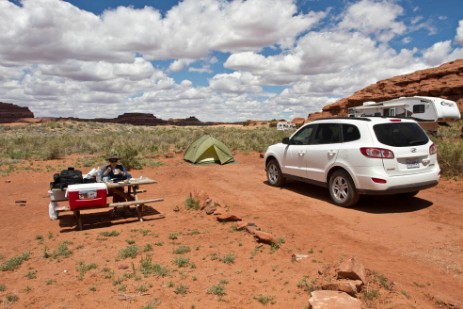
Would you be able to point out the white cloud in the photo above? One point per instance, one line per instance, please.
(374, 18)
(237, 83)
(441, 52)
(459, 35)
(323, 55)
(180, 64)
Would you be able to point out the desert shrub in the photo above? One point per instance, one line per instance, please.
(62, 251)
(449, 149)
(182, 249)
(147, 267)
(14, 262)
(181, 261)
(130, 251)
(191, 203)
(82, 268)
(265, 299)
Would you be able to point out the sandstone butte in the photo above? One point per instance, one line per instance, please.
(445, 81)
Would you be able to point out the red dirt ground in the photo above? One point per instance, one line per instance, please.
(412, 249)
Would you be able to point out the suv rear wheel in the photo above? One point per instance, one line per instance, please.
(342, 189)
(274, 176)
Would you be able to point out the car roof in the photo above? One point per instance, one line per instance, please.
(364, 119)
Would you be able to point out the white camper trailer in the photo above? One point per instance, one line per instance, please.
(422, 109)
(284, 125)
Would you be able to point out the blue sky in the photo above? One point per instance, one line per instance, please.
(214, 59)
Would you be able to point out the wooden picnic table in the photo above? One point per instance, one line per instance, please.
(131, 192)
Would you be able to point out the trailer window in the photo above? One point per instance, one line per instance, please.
(418, 109)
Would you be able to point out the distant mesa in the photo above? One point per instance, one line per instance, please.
(10, 113)
(14, 113)
(136, 119)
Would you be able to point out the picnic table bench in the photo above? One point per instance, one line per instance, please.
(131, 189)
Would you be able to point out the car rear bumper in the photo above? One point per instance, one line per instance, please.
(396, 184)
(401, 189)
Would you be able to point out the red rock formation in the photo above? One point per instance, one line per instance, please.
(445, 81)
(139, 119)
(11, 113)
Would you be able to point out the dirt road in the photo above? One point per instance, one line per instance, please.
(412, 249)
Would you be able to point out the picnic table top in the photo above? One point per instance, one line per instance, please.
(131, 182)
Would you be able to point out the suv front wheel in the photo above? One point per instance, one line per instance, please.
(274, 176)
(342, 189)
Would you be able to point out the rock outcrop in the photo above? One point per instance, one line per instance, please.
(445, 81)
(139, 119)
(11, 113)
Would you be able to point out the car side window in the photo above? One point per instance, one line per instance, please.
(350, 133)
(327, 133)
(303, 136)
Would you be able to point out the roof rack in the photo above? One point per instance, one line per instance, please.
(346, 118)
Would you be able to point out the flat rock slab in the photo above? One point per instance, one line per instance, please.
(333, 300)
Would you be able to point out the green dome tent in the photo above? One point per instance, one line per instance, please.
(207, 149)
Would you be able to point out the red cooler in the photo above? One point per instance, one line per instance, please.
(87, 195)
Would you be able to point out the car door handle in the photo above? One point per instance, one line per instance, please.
(301, 153)
(331, 153)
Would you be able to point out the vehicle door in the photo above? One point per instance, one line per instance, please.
(295, 154)
(323, 150)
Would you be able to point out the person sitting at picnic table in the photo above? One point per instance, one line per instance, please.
(114, 170)
(118, 172)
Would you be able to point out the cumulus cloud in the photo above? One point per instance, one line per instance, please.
(374, 18)
(316, 55)
(459, 36)
(441, 52)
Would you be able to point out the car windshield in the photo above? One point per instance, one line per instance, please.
(400, 134)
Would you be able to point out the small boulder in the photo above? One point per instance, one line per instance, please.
(264, 237)
(242, 225)
(333, 300)
(351, 269)
(351, 287)
(210, 209)
(251, 229)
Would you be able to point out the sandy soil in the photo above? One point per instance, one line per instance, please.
(412, 249)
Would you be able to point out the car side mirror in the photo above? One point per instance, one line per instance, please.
(285, 140)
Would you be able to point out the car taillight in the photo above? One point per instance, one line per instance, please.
(432, 149)
(379, 180)
(380, 153)
(395, 120)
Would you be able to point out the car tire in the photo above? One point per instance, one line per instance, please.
(274, 175)
(342, 189)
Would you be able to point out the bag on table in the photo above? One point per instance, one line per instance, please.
(66, 177)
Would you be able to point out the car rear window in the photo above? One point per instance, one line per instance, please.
(400, 134)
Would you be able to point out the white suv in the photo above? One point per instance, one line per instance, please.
(353, 156)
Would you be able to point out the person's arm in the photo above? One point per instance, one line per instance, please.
(123, 170)
(106, 170)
